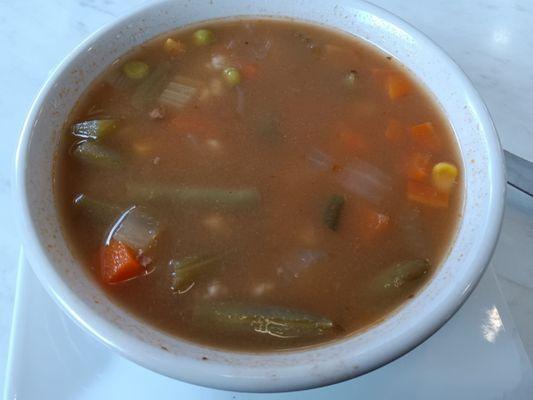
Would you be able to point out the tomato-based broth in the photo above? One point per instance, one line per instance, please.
(258, 185)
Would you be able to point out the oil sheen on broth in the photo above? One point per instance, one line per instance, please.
(258, 185)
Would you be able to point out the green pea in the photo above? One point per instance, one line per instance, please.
(203, 37)
(135, 69)
(232, 76)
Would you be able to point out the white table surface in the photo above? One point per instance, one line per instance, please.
(491, 40)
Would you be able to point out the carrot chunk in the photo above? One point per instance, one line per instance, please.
(119, 263)
(397, 86)
(351, 142)
(426, 194)
(425, 137)
(394, 132)
(250, 71)
(417, 166)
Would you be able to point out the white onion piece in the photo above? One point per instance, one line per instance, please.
(136, 229)
(365, 180)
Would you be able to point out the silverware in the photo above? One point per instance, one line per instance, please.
(519, 173)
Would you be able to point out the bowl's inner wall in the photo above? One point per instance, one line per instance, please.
(431, 67)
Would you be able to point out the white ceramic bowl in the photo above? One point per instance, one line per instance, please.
(85, 302)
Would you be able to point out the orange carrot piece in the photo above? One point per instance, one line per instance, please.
(394, 132)
(250, 71)
(372, 223)
(397, 86)
(426, 194)
(119, 263)
(425, 137)
(351, 142)
(417, 166)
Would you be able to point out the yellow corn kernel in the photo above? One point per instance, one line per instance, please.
(174, 47)
(444, 175)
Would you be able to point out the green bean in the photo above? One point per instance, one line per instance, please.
(332, 211)
(135, 69)
(94, 129)
(279, 322)
(92, 153)
(96, 209)
(232, 76)
(203, 37)
(223, 197)
(400, 274)
(186, 271)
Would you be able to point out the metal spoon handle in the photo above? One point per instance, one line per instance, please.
(519, 173)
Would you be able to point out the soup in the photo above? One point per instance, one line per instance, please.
(258, 185)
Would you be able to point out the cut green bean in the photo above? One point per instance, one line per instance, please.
(93, 153)
(223, 197)
(232, 76)
(187, 270)
(203, 37)
(94, 129)
(332, 211)
(279, 322)
(149, 90)
(402, 273)
(96, 209)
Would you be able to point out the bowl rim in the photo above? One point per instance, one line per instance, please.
(116, 339)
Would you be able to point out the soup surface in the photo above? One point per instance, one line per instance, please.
(258, 185)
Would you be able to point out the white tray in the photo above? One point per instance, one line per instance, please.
(476, 355)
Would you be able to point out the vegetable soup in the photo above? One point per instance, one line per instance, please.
(258, 184)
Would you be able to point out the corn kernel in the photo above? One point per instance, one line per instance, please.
(444, 175)
(172, 46)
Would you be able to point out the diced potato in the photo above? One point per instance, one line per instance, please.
(214, 144)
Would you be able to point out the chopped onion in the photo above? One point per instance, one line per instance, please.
(218, 62)
(136, 229)
(179, 91)
(365, 180)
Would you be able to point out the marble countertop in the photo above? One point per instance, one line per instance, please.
(491, 40)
